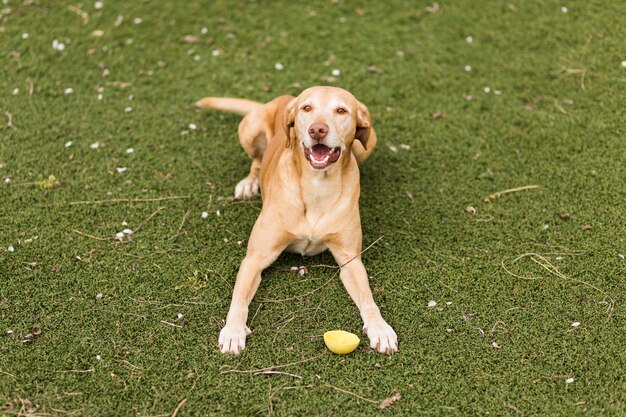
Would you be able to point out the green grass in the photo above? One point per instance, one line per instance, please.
(558, 123)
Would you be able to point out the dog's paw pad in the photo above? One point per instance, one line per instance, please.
(382, 338)
(247, 188)
(232, 340)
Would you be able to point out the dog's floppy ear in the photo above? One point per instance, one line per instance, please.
(363, 124)
(289, 117)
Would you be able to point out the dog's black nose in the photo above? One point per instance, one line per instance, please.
(318, 131)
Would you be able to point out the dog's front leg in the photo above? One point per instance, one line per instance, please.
(354, 277)
(263, 248)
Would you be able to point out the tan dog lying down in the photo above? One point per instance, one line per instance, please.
(304, 157)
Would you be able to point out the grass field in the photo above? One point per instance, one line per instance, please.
(469, 98)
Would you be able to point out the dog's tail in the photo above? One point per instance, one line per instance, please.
(234, 105)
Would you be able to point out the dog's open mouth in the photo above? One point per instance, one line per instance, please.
(321, 156)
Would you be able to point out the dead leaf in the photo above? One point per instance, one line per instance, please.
(565, 217)
(437, 116)
(389, 402)
(586, 227)
(495, 345)
(192, 39)
(434, 8)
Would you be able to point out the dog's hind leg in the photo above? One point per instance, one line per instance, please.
(253, 139)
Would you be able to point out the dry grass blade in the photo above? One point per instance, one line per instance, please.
(129, 200)
(270, 372)
(510, 190)
(269, 368)
(389, 402)
(10, 124)
(543, 262)
(83, 14)
(350, 393)
(178, 407)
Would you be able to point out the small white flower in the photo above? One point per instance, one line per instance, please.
(392, 148)
(624, 64)
(179, 316)
(432, 303)
(98, 5)
(204, 31)
(118, 235)
(467, 68)
(16, 91)
(69, 90)
(131, 97)
(336, 72)
(569, 380)
(205, 214)
(129, 41)
(25, 35)
(10, 331)
(7, 180)
(576, 324)
(621, 256)
(278, 66)
(95, 145)
(225, 240)
(127, 231)
(239, 242)
(218, 213)
(124, 223)
(564, 9)
(497, 92)
(469, 39)
(216, 52)
(98, 357)
(487, 89)
(449, 303)
(11, 248)
(405, 146)
(130, 150)
(197, 58)
(128, 109)
(59, 46)
(559, 258)
(121, 169)
(100, 96)
(137, 20)
(400, 54)
(192, 126)
(68, 143)
(99, 296)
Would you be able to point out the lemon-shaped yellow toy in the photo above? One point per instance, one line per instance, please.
(341, 342)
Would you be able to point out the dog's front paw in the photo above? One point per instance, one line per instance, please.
(247, 188)
(232, 339)
(382, 337)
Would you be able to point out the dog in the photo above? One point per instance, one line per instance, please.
(305, 152)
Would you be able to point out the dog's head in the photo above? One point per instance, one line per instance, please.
(324, 121)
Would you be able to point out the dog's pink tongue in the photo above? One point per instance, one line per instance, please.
(320, 151)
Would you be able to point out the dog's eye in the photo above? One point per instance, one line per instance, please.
(341, 110)
(306, 108)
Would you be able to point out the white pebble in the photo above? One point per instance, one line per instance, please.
(69, 90)
(449, 303)
(624, 64)
(431, 304)
(576, 324)
(278, 66)
(99, 296)
(559, 258)
(469, 39)
(239, 242)
(124, 223)
(487, 89)
(467, 68)
(179, 316)
(405, 146)
(121, 169)
(7, 180)
(128, 109)
(130, 150)
(98, 357)
(11, 248)
(225, 240)
(137, 20)
(336, 72)
(25, 36)
(16, 91)
(204, 31)
(392, 148)
(569, 380)
(192, 126)
(59, 46)
(218, 213)
(10, 331)
(68, 143)
(127, 231)
(205, 214)
(621, 256)
(119, 235)
(216, 52)
(564, 9)
(98, 5)
(95, 145)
